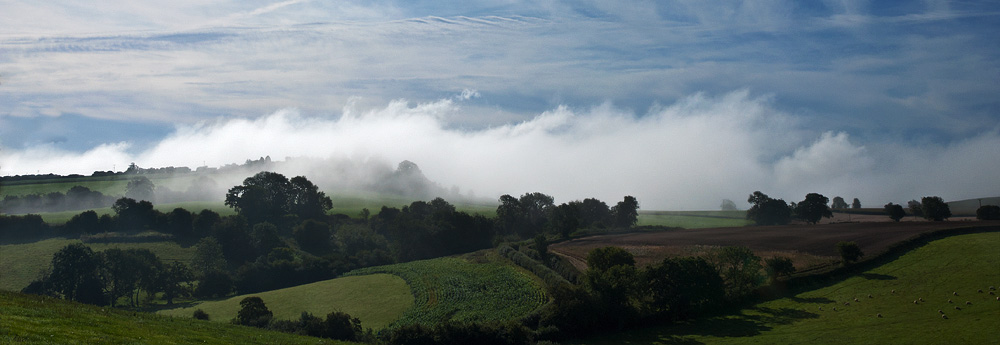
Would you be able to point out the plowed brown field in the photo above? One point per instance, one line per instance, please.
(807, 245)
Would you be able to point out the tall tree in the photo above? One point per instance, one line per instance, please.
(856, 204)
(76, 274)
(768, 211)
(934, 208)
(253, 312)
(838, 203)
(894, 211)
(140, 188)
(306, 200)
(728, 205)
(626, 212)
(510, 214)
(740, 269)
(264, 197)
(813, 208)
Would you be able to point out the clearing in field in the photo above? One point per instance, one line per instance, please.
(377, 300)
(942, 278)
(455, 289)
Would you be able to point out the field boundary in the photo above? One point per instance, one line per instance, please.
(811, 280)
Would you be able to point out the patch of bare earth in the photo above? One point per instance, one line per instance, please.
(807, 245)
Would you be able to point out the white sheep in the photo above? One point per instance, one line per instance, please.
(943, 316)
(856, 300)
(968, 303)
(870, 296)
(879, 315)
(955, 293)
(893, 290)
(940, 311)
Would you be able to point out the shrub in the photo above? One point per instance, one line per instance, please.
(200, 315)
(988, 212)
(778, 266)
(253, 313)
(849, 251)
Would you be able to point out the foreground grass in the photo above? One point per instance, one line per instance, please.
(962, 264)
(21, 263)
(29, 319)
(457, 289)
(377, 300)
(693, 219)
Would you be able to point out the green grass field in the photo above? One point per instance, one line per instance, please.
(28, 319)
(21, 263)
(457, 289)
(377, 300)
(962, 264)
(693, 219)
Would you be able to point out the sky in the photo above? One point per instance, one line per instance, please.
(679, 103)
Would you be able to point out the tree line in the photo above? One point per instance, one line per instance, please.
(769, 211)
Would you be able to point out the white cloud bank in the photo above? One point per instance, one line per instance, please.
(689, 155)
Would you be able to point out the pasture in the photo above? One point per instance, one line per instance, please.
(377, 300)
(31, 319)
(457, 289)
(941, 276)
(21, 263)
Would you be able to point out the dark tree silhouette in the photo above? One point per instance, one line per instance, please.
(767, 211)
(76, 274)
(838, 203)
(934, 208)
(728, 205)
(813, 208)
(856, 203)
(894, 211)
(253, 313)
(268, 196)
(626, 212)
(988, 212)
(740, 269)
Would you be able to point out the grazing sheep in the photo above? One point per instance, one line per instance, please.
(893, 290)
(991, 292)
(943, 316)
(915, 302)
(993, 288)
(949, 301)
(847, 303)
(980, 291)
(968, 303)
(834, 308)
(955, 293)
(870, 296)
(879, 315)
(856, 300)
(957, 308)
(921, 299)
(998, 298)
(940, 311)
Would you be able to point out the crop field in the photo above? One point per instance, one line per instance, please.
(455, 289)
(806, 245)
(30, 319)
(377, 300)
(943, 277)
(21, 263)
(693, 219)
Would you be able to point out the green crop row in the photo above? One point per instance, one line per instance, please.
(455, 289)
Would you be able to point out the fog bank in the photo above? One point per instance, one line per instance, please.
(688, 155)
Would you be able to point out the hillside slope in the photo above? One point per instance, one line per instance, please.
(931, 276)
(29, 319)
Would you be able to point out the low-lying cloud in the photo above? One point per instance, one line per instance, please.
(688, 155)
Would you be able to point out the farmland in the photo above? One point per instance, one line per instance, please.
(457, 289)
(377, 300)
(31, 319)
(21, 263)
(806, 244)
(961, 264)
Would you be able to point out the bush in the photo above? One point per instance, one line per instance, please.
(253, 313)
(200, 315)
(778, 266)
(988, 212)
(849, 252)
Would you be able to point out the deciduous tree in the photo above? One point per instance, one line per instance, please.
(934, 208)
(813, 208)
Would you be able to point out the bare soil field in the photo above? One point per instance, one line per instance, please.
(806, 245)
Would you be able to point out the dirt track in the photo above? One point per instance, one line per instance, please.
(809, 241)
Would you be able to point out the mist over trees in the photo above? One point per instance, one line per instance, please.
(813, 208)
(768, 211)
